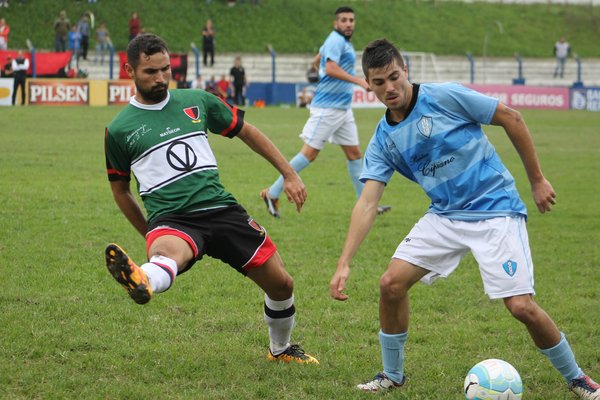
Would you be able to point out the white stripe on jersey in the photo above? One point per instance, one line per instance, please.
(184, 156)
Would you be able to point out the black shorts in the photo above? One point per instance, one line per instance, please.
(227, 233)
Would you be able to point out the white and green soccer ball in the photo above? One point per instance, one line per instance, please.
(493, 379)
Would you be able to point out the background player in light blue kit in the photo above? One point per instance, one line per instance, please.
(432, 135)
(331, 118)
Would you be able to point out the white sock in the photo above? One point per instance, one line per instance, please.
(279, 316)
(161, 272)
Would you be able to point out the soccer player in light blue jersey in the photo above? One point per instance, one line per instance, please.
(432, 135)
(331, 118)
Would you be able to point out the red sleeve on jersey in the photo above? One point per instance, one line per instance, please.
(113, 173)
(236, 123)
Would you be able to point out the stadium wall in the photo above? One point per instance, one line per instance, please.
(85, 92)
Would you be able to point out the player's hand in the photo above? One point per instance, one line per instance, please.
(365, 85)
(544, 195)
(295, 191)
(338, 282)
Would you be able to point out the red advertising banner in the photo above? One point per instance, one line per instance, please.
(58, 92)
(46, 63)
(119, 92)
(521, 96)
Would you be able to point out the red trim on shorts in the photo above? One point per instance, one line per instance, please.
(263, 253)
(162, 231)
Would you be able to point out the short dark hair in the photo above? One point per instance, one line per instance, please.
(378, 54)
(146, 43)
(343, 9)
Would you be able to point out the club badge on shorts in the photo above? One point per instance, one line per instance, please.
(510, 267)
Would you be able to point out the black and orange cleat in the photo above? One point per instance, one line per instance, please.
(293, 353)
(128, 274)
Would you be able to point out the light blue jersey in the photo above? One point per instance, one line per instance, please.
(332, 92)
(441, 146)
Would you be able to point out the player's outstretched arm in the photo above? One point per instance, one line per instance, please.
(129, 205)
(513, 123)
(363, 215)
(262, 145)
(335, 71)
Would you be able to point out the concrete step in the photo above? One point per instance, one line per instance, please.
(422, 68)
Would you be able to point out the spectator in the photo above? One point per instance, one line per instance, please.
(4, 31)
(562, 49)
(83, 26)
(3, 3)
(102, 41)
(198, 83)
(211, 86)
(223, 87)
(134, 25)
(7, 70)
(75, 42)
(238, 81)
(62, 25)
(20, 65)
(208, 43)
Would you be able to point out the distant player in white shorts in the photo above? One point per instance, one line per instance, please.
(331, 118)
(432, 135)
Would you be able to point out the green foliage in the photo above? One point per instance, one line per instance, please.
(300, 26)
(69, 332)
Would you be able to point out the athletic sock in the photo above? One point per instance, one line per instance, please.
(299, 162)
(563, 359)
(392, 354)
(279, 316)
(161, 272)
(354, 169)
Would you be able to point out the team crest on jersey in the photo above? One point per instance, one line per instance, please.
(425, 126)
(510, 267)
(193, 113)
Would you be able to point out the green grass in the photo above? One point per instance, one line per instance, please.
(67, 331)
(300, 26)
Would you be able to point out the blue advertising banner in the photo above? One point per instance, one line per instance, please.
(585, 98)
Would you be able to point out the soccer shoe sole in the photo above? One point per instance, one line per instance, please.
(271, 206)
(127, 274)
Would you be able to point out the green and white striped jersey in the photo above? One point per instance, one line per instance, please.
(166, 147)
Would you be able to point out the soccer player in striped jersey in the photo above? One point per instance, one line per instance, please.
(331, 118)
(161, 137)
(432, 135)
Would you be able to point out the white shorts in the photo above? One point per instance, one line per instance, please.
(330, 125)
(500, 246)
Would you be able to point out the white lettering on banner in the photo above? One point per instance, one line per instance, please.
(537, 100)
(578, 100)
(58, 94)
(363, 99)
(120, 93)
(502, 96)
(593, 100)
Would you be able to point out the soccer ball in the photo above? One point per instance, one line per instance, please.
(493, 380)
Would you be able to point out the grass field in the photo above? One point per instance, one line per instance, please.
(67, 331)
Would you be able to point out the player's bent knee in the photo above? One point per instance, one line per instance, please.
(522, 308)
(391, 287)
